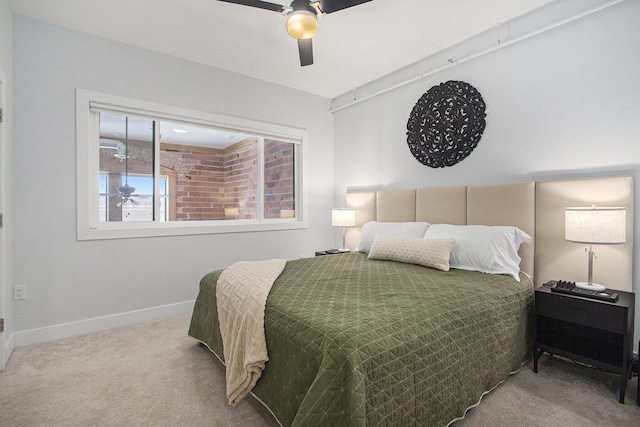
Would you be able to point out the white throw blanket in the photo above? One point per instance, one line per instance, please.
(242, 296)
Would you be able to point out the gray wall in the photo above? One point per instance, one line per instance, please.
(6, 65)
(71, 283)
(561, 104)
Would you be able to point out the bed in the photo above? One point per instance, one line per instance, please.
(357, 341)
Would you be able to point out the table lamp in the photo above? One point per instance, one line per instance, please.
(341, 217)
(595, 225)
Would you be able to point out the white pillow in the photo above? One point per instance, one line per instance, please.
(432, 253)
(489, 249)
(401, 229)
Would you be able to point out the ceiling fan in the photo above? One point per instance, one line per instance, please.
(302, 19)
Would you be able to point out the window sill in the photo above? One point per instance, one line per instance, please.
(137, 230)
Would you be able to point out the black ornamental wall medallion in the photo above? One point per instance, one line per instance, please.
(446, 124)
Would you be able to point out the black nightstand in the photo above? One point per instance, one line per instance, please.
(598, 333)
(331, 252)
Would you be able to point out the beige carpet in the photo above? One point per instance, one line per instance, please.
(153, 374)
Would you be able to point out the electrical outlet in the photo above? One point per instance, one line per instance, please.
(20, 292)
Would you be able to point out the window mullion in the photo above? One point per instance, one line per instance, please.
(156, 171)
(297, 180)
(260, 189)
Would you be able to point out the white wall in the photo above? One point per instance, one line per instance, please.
(71, 282)
(6, 69)
(560, 104)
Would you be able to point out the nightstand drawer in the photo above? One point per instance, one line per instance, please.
(586, 312)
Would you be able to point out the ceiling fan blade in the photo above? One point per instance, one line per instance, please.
(305, 47)
(259, 4)
(330, 6)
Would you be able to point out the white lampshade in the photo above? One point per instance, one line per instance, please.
(595, 225)
(287, 213)
(231, 213)
(343, 217)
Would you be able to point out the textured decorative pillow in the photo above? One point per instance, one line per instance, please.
(402, 229)
(432, 253)
(489, 249)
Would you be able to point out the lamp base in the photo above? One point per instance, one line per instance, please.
(590, 286)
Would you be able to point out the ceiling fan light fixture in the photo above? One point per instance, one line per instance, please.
(126, 190)
(302, 24)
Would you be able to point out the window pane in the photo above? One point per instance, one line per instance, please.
(126, 159)
(163, 213)
(215, 172)
(139, 207)
(102, 200)
(279, 168)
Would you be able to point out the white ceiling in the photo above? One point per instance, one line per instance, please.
(353, 46)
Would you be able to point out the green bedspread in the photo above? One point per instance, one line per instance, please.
(358, 342)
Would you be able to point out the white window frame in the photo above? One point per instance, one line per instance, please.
(87, 171)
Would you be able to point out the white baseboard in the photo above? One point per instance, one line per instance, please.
(8, 349)
(66, 330)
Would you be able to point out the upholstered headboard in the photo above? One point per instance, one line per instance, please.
(537, 208)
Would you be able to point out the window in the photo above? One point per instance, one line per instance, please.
(139, 206)
(147, 170)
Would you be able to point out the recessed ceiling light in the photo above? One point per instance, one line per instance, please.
(181, 131)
